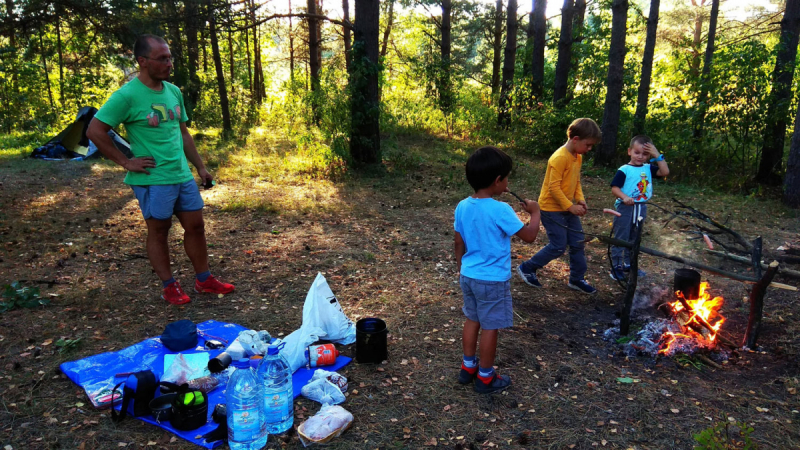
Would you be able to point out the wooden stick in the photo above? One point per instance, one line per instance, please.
(688, 262)
(633, 277)
(757, 306)
(707, 360)
(781, 270)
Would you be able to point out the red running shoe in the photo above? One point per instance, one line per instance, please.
(212, 286)
(175, 295)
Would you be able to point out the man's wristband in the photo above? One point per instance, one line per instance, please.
(660, 158)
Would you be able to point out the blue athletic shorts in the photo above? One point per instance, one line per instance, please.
(488, 302)
(161, 201)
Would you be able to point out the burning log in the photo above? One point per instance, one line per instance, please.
(757, 306)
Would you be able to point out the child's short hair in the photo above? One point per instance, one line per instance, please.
(584, 129)
(640, 139)
(485, 165)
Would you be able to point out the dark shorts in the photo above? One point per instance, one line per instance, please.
(161, 201)
(488, 302)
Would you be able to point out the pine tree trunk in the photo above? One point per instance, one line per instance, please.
(259, 89)
(223, 93)
(231, 52)
(564, 54)
(347, 35)
(577, 36)
(388, 29)
(46, 75)
(497, 46)
(445, 89)
(365, 138)
(640, 116)
(705, 79)
(12, 40)
(180, 73)
(247, 52)
(780, 98)
(791, 182)
(313, 59)
(539, 42)
(509, 61)
(60, 62)
(697, 39)
(616, 66)
(291, 41)
(191, 27)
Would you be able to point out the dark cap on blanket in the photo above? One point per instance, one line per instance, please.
(179, 336)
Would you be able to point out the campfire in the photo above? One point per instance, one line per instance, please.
(698, 318)
(692, 324)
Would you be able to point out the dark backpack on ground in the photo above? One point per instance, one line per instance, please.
(140, 388)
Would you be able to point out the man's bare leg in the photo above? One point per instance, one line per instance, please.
(157, 247)
(194, 239)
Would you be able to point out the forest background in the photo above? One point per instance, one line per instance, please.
(711, 81)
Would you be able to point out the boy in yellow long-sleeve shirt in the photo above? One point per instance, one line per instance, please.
(562, 204)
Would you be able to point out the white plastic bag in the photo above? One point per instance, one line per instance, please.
(323, 310)
(325, 387)
(328, 423)
(296, 344)
(254, 343)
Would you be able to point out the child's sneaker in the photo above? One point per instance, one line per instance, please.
(529, 278)
(468, 374)
(496, 384)
(175, 295)
(212, 286)
(583, 286)
(627, 268)
(618, 274)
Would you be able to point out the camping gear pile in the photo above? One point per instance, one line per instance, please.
(168, 380)
(72, 144)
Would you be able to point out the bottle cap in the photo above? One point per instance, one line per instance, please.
(242, 363)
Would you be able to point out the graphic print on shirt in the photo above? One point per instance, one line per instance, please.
(159, 113)
(641, 189)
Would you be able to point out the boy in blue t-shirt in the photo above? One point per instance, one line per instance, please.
(633, 186)
(483, 230)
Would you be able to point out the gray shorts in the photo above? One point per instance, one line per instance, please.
(488, 302)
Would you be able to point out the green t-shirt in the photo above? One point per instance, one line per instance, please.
(152, 120)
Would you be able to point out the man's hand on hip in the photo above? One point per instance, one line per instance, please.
(140, 165)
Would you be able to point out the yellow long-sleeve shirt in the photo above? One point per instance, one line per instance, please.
(562, 182)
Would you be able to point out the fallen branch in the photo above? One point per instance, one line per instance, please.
(707, 360)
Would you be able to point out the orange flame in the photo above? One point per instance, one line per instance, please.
(704, 315)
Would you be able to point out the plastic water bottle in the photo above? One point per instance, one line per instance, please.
(275, 376)
(245, 409)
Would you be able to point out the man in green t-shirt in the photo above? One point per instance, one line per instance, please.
(154, 116)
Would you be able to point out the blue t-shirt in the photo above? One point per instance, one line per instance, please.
(635, 181)
(486, 226)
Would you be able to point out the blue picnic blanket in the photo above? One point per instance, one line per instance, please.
(95, 374)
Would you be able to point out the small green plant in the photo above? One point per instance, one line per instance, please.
(16, 296)
(686, 360)
(625, 339)
(66, 345)
(725, 435)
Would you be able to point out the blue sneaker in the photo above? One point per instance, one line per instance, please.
(618, 274)
(528, 277)
(583, 286)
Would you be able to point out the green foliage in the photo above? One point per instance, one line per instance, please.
(16, 296)
(725, 435)
(67, 345)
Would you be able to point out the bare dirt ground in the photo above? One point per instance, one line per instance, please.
(385, 246)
